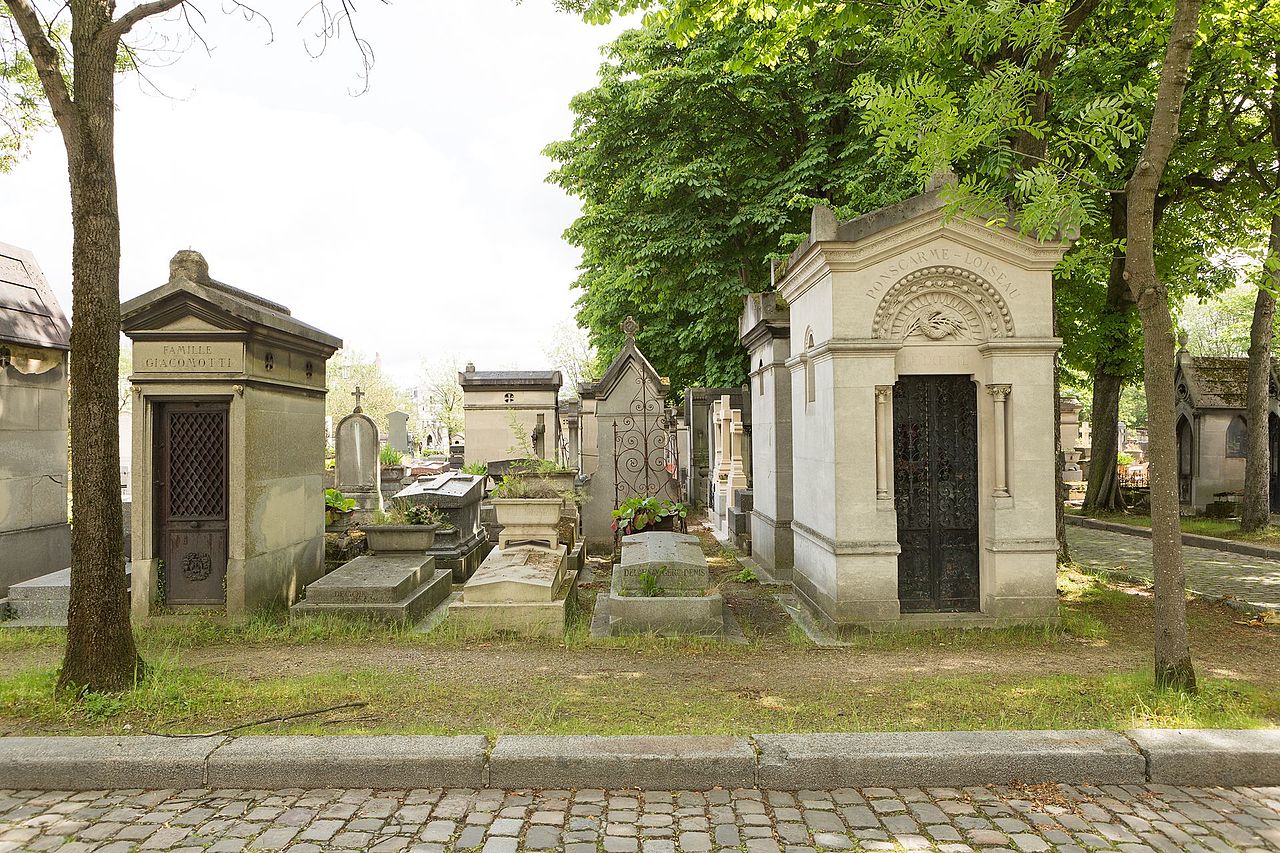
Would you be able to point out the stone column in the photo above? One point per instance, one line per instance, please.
(884, 442)
(1000, 449)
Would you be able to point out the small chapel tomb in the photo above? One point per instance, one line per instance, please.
(229, 438)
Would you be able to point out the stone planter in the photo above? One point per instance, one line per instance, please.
(526, 520)
(336, 520)
(561, 481)
(400, 538)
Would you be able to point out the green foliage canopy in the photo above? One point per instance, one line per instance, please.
(692, 174)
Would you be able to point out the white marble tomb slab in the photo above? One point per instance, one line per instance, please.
(525, 573)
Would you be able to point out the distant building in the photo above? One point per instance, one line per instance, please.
(1211, 393)
(35, 538)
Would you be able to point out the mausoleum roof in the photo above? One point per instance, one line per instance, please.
(1216, 382)
(189, 278)
(29, 312)
(536, 379)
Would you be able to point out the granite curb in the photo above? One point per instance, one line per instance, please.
(775, 761)
(1191, 540)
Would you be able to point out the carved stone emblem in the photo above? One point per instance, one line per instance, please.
(196, 567)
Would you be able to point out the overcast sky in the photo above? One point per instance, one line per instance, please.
(413, 220)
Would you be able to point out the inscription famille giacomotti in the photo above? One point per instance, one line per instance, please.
(972, 261)
(212, 357)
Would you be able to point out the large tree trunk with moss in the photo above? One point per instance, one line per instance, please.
(1103, 493)
(100, 653)
(1173, 667)
(1255, 514)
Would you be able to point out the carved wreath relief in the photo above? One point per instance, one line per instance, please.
(942, 303)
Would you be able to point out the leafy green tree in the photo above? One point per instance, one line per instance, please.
(379, 395)
(692, 174)
(21, 103)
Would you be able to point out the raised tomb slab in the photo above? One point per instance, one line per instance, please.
(387, 587)
(527, 589)
(675, 562)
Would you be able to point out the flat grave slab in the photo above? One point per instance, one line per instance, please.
(371, 579)
(524, 573)
(676, 558)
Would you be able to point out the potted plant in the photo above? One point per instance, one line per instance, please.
(404, 528)
(639, 514)
(526, 503)
(338, 508)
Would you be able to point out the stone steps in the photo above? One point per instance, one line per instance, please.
(386, 588)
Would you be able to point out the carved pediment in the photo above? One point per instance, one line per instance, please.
(942, 303)
(183, 312)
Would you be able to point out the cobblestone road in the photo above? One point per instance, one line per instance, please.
(1133, 819)
(1252, 580)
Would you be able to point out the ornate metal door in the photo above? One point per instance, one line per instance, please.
(935, 475)
(191, 501)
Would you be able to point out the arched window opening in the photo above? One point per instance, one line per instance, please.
(1236, 438)
(810, 381)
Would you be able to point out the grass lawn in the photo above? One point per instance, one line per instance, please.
(1093, 671)
(1223, 528)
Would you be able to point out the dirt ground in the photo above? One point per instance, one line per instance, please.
(554, 686)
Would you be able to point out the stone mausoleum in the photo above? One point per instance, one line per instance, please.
(495, 401)
(1212, 446)
(35, 538)
(229, 431)
(922, 419)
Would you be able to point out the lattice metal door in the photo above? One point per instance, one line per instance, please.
(191, 501)
(935, 476)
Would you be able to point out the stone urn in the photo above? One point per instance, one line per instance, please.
(528, 520)
(400, 538)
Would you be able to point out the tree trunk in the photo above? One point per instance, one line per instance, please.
(1102, 493)
(1173, 667)
(100, 654)
(1256, 512)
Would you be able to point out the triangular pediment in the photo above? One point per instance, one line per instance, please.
(181, 311)
(628, 359)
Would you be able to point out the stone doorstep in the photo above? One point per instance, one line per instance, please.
(417, 604)
(372, 579)
(781, 762)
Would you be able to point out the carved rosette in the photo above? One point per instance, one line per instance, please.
(941, 304)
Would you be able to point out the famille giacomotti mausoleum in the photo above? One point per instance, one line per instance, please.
(922, 419)
(229, 433)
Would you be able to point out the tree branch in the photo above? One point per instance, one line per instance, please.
(117, 29)
(48, 66)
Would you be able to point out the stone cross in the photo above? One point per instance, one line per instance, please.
(358, 394)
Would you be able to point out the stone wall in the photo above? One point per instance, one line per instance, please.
(35, 538)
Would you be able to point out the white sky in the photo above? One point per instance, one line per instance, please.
(413, 221)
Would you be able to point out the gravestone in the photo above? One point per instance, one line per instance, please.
(526, 589)
(355, 444)
(382, 587)
(673, 566)
(398, 431)
(460, 548)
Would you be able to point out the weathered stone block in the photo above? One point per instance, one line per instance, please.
(1210, 757)
(676, 558)
(100, 763)
(901, 759)
(667, 763)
